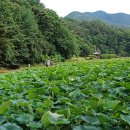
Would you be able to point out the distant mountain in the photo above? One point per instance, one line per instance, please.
(121, 19)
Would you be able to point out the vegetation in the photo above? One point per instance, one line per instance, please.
(79, 94)
(108, 39)
(70, 96)
(108, 56)
(29, 32)
(118, 19)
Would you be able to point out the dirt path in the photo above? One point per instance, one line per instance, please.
(4, 71)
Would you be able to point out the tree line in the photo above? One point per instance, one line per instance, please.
(29, 33)
(107, 38)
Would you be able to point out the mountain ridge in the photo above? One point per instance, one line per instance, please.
(121, 19)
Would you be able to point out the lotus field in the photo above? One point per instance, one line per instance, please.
(85, 95)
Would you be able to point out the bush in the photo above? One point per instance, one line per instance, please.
(75, 58)
(54, 58)
(57, 58)
(90, 57)
(108, 56)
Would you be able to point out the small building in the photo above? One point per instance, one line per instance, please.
(97, 55)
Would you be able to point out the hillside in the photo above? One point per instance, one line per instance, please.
(29, 33)
(121, 19)
(107, 38)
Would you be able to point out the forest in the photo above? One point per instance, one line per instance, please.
(107, 38)
(29, 33)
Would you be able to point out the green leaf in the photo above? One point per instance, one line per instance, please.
(45, 121)
(34, 124)
(75, 93)
(118, 128)
(126, 118)
(55, 90)
(4, 107)
(2, 128)
(9, 126)
(52, 128)
(24, 119)
(125, 84)
(90, 119)
(103, 118)
(109, 104)
(86, 128)
(97, 95)
(47, 103)
(2, 119)
(49, 118)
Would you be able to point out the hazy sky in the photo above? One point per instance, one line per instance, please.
(63, 7)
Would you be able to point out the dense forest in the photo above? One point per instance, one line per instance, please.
(29, 33)
(107, 38)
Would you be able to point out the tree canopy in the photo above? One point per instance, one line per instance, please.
(29, 32)
(108, 38)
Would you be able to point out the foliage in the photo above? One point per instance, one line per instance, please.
(109, 39)
(82, 95)
(118, 19)
(74, 58)
(57, 58)
(29, 31)
(108, 56)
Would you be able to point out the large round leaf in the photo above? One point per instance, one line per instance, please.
(86, 128)
(9, 126)
(53, 118)
(126, 118)
(90, 119)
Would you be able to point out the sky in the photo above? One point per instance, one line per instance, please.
(64, 7)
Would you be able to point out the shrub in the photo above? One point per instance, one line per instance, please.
(74, 58)
(108, 56)
(57, 58)
(90, 57)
